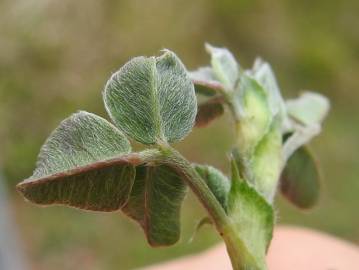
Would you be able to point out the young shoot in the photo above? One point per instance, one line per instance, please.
(87, 162)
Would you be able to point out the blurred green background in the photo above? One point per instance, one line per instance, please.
(55, 57)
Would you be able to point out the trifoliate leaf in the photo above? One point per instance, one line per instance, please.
(255, 115)
(209, 111)
(309, 109)
(152, 99)
(218, 183)
(155, 203)
(300, 180)
(253, 219)
(267, 162)
(225, 66)
(82, 164)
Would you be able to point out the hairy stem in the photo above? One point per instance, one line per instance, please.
(241, 258)
(197, 184)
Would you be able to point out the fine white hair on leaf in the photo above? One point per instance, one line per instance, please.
(309, 108)
(82, 164)
(225, 66)
(152, 99)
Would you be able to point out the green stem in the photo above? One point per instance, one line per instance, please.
(197, 184)
(241, 258)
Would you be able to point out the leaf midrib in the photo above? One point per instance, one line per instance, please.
(131, 158)
(155, 101)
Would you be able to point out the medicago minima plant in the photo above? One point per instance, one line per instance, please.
(87, 162)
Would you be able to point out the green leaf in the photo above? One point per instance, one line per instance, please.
(307, 113)
(216, 181)
(205, 89)
(205, 82)
(255, 115)
(301, 136)
(209, 111)
(252, 217)
(225, 66)
(267, 161)
(310, 108)
(300, 180)
(82, 164)
(152, 99)
(264, 75)
(155, 203)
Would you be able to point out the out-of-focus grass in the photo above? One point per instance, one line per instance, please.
(55, 57)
